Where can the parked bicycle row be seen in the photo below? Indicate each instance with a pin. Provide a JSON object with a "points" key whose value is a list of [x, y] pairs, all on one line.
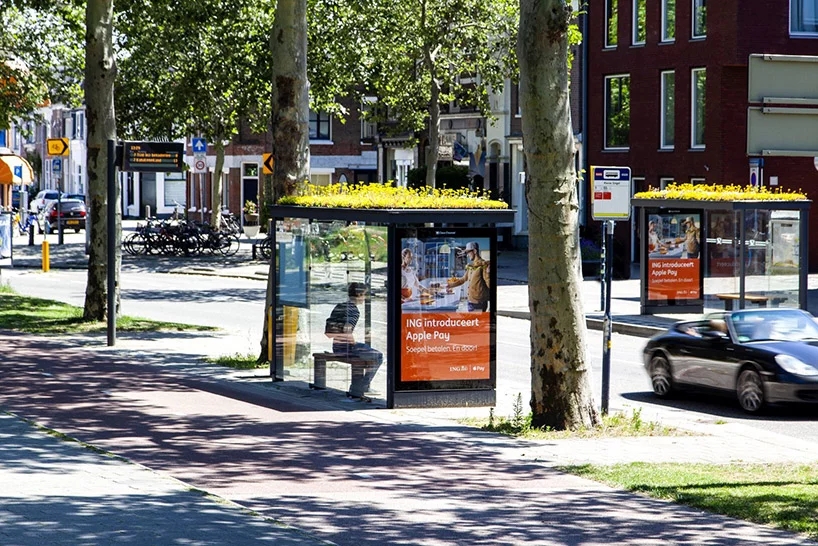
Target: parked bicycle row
{"points": [[181, 237]]}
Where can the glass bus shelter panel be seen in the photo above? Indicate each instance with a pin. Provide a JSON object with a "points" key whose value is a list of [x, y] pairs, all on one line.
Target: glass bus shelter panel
{"points": [[722, 249], [782, 259], [341, 254]]}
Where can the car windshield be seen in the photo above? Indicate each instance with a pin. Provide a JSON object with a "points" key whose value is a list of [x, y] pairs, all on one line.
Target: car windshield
{"points": [[778, 325]]}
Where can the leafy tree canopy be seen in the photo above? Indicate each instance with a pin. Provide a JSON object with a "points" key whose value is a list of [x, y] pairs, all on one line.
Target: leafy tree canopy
{"points": [[41, 57]]}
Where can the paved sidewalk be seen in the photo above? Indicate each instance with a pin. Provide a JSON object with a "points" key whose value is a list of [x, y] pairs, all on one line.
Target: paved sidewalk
{"points": [[367, 477]]}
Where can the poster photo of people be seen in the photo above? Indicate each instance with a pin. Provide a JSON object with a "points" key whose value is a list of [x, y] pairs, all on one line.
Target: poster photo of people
{"points": [[674, 256], [447, 288]]}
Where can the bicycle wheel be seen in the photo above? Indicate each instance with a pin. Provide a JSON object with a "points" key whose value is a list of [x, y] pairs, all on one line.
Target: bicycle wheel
{"points": [[265, 248], [135, 245], [229, 244]]}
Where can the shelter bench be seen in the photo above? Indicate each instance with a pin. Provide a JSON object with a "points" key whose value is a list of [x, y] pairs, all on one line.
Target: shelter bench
{"points": [[759, 300], [319, 367]]}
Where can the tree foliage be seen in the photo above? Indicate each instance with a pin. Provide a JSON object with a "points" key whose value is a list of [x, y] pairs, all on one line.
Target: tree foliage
{"points": [[194, 68], [413, 56], [41, 58]]}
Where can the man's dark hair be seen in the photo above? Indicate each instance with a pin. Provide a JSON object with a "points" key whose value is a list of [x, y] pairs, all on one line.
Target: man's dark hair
{"points": [[356, 289]]}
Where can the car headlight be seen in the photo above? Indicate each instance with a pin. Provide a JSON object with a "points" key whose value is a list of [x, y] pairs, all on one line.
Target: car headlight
{"points": [[793, 365]]}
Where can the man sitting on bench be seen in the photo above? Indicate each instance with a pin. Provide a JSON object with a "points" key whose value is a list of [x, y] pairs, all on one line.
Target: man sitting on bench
{"points": [[339, 327]]}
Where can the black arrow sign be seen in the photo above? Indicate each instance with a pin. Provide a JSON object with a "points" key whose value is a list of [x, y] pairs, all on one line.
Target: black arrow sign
{"points": [[269, 164]]}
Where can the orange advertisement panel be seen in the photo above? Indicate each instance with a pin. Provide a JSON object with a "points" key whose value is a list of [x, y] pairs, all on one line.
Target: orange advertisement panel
{"points": [[674, 242], [673, 279], [446, 321], [445, 346]]}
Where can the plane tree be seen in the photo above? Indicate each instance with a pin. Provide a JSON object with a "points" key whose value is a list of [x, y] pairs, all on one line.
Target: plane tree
{"points": [[197, 68], [561, 393], [414, 57]]}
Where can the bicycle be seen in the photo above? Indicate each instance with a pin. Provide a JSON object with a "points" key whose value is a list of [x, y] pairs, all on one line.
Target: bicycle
{"points": [[30, 222]]}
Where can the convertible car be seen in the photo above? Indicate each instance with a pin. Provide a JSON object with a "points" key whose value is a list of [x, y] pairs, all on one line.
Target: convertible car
{"points": [[764, 356]]}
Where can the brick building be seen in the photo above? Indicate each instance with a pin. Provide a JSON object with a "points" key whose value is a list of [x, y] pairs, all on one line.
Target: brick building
{"points": [[667, 91]]}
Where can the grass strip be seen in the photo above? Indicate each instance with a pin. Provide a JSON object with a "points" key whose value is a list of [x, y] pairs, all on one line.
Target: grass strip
{"points": [[239, 361], [42, 316], [783, 495]]}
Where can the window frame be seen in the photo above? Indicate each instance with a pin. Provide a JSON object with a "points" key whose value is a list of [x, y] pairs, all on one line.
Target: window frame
{"points": [[664, 181], [697, 113], [607, 98], [320, 119], [697, 7], [611, 12], [635, 28], [663, 98], [668, 27], [793, 19]]}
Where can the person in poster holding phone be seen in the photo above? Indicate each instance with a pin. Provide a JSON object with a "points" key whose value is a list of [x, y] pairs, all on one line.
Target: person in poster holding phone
{"points": [[478, 276]]}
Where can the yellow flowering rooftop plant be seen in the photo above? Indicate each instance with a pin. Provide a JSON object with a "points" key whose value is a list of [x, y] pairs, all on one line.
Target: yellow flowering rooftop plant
{"points": [[715, 192], [386, 196]]}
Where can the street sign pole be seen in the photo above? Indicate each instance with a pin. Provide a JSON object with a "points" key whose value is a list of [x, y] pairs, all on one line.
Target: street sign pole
{"points": [[612, 192], [607, 328], [111, 240]]}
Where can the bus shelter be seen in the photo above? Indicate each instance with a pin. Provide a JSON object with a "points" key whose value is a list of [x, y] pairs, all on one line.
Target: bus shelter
{"points": [[420, 286], [697, 255]]}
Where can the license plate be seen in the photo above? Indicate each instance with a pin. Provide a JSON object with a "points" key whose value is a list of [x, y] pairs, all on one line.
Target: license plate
{"points": [[73, 222]]}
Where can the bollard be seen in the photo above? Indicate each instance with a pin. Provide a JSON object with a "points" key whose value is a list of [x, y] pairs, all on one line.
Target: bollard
{"points": [[31, 235], [46, 257], [147, 211]]}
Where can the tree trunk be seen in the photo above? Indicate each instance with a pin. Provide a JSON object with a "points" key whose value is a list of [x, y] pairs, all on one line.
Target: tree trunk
{"points": [[291, 110], [561, 396], [100, 72], [217, 185], [433, 148], [291, 115]]}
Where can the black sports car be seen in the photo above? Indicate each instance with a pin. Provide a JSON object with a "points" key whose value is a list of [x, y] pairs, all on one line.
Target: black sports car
{"points": [[762, 355]]}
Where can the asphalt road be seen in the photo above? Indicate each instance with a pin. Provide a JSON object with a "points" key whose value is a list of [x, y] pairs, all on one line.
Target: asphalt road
{"points": [[236, 305]]}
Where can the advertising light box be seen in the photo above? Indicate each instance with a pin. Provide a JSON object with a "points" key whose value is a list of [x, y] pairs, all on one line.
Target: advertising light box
{"points": [[447, 308]]}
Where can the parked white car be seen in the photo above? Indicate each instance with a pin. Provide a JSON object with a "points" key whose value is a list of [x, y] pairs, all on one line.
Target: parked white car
{"points": [[42, 199]]}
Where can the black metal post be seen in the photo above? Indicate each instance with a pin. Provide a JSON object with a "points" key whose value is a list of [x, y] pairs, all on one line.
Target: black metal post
{"points": [[60, 238], [111, 243], [603, 267], [607, 325]]}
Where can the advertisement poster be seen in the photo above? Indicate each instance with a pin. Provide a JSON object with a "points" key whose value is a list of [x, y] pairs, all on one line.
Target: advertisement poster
{"points": [[447, 288], [674, 257]]}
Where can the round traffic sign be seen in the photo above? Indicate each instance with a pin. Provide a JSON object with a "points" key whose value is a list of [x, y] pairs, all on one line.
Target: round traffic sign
{"points": [[199, 165]]}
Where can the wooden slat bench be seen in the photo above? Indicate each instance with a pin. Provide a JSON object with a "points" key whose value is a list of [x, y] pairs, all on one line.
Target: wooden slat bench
{"points": [[319, 367], [759, 300]]}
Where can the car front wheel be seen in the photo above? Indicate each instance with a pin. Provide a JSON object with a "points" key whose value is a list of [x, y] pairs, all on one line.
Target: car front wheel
{"points": [[750, 391], [660, 377]]}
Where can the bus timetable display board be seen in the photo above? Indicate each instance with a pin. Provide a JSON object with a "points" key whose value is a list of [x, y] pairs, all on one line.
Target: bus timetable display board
{"points": [[154, 157], [447, 309]]}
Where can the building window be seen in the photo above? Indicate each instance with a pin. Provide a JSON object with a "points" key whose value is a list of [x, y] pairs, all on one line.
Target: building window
{"points": [[697, 100], [611, 22], [664, 181], [699, 18], [639, 28], [804, 16], [668, 20], [668, 120], [319, 126], [696, 181], [617, 111], [78, 125]]}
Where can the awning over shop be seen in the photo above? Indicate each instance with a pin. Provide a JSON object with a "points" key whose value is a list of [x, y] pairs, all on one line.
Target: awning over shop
{"points": [[14, 169]]}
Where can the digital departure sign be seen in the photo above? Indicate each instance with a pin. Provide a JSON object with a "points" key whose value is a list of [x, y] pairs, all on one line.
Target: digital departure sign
{"points": [[155, 157]]}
